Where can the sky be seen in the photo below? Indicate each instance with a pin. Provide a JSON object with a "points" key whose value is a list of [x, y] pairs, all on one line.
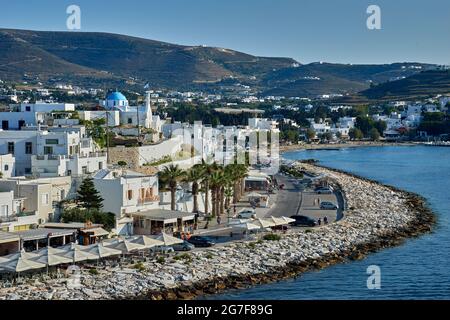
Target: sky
{"points": [[306, 30]]}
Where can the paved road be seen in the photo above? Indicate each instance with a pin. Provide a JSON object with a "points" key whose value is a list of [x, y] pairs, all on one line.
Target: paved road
{"points": [[287, 201]]}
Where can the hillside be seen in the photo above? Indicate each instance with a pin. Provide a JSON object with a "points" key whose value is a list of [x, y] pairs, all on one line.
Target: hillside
{"points": [[319, 78], [73, 56], [424, 84], [112, 60]]}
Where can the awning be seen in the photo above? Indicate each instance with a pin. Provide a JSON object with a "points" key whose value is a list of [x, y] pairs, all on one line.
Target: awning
{"points": [[96, 232], [165, 216], [168, 240], [6, 237]]}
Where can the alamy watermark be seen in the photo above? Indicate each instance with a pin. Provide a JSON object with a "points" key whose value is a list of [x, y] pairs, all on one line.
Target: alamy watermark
{"points": [[73, 273], [73, 21], [374, 279], [374, 20]]}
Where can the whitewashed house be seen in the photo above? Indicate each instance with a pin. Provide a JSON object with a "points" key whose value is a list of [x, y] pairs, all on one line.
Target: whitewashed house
{"points": [[7, 166], [125, 192]]}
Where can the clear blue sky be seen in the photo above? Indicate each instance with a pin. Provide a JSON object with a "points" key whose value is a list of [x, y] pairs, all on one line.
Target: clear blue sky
{"points": [[307, 30]]}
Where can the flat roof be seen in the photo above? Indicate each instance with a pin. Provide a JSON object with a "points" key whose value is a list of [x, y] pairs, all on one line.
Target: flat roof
{"points": [[165, 215], [42, 233], [8, 237], [70, 225]]}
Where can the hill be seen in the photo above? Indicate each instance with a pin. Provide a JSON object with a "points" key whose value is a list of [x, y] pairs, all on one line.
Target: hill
{"points": [[113, 60], [424, 84]]}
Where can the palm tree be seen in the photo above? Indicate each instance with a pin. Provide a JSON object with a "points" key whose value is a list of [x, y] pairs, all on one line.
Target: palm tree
{"points": [[171, 175], [215, 183], [237, 173], [194, 176], [208, 170]]}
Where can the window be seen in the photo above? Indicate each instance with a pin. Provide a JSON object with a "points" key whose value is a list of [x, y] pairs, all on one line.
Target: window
{"points": [[28, 148], [142, 192], [45, 199], [100, 165], [6, 168], [51, 141], [27, 170], [130, 194], [48, 150], [84, 169], [4, 210], [27, 108], [130, 121], [11, 147]]}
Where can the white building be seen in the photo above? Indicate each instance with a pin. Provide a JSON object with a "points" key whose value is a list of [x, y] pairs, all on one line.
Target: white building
{"points": [[7, 166], [126, 192], [62, 151], [130, 115]]}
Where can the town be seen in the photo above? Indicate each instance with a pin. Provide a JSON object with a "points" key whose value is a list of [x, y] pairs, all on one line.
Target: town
{"points": [[81, 181]]}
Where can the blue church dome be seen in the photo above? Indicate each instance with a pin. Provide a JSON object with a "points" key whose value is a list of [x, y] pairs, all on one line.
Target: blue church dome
{"points": [[116, 96]]}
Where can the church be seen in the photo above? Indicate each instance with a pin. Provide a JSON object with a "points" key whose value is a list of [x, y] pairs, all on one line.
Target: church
{"points": [[132, 115]]}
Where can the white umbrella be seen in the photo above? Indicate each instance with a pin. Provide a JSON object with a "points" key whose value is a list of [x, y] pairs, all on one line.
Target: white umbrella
{"points": [[288, 220], [247, 226], [102, 251], [78, 253], [20, 264], [278, 221], [264, 223], [52, 256], [124, 246], [21, 254], [168, 240], [147, 242]]}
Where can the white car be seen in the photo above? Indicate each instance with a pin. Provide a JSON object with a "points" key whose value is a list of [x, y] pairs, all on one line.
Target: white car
{"points": [[328, 206], [246, 214]]}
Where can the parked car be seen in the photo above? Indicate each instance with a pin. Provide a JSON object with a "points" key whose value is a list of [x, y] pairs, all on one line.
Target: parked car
{"points": [[246, 214], [328, 206], [185, 246], [200, 241], [303, 221], [323, 190]]}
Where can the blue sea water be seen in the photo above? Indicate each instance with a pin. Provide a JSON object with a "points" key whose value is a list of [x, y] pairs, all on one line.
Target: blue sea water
{"points": [[418, 269]]}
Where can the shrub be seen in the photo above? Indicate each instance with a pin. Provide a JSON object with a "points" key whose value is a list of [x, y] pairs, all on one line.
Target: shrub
{"points": [[139, 266], [93, 271], [161, 260], [272, 237]]}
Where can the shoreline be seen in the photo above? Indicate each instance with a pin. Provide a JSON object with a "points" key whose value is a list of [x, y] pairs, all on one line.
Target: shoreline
{"points": [[377, 217], [423, 222], [360, 144]]}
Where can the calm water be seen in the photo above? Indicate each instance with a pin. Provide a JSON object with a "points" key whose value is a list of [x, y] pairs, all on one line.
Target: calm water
{"points": [[419, 269]]}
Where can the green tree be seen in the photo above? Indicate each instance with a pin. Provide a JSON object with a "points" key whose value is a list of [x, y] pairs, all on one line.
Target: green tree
{"points": [[355, 134], [310, 134], [107, 219], [170, 176], [88, 197], [374, 134], [194, 176]]}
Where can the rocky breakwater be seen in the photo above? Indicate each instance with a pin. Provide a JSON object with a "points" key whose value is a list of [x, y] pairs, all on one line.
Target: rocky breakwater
{"points": [[377, 216]]}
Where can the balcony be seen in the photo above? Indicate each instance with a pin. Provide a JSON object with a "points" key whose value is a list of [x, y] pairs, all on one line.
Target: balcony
{"points": [[148, 200], [15, 217]]}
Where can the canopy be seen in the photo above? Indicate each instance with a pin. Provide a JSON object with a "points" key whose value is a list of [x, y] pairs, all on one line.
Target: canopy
{"points": [[168, 240], [20, 264], [247, 226], [278, 221], [78, 253], [264, 223], [288, 220], [147, 242], [254, 195], [21, 254], [102, 251], [124, 246], [52, 256]]}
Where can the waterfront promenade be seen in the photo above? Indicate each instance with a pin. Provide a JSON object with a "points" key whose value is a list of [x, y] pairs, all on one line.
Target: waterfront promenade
{"points": [[378, 217]]}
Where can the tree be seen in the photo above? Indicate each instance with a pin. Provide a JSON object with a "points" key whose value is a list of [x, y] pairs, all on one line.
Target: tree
{"points": [[310, 134], [355, 134], [208, 170], [194, 176], [108, 220], [171, 175], [374, 134], [88, 197]]}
